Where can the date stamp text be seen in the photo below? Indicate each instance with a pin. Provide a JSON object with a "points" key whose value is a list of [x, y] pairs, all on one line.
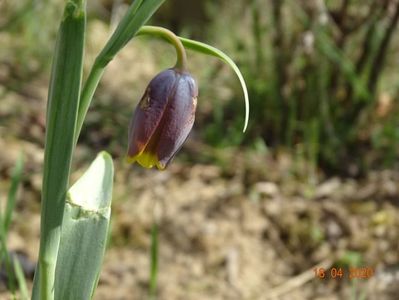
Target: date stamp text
{"points": [[344, 273]]}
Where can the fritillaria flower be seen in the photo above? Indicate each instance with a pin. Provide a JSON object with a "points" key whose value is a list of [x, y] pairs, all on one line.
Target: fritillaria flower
{"points": [[163, 119]]}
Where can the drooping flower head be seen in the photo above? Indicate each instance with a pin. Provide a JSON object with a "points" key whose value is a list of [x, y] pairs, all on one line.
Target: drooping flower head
{"points": [[163, 119]]}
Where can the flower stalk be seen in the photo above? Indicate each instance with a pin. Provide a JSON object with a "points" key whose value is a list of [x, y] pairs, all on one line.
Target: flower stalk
{"points": [[171, 38]]}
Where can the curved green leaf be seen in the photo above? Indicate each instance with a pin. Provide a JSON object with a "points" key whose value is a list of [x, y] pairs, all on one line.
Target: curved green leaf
{"points": [[212, 51]]}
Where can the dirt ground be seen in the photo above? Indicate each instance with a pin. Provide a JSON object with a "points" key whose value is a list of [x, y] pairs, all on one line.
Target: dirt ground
{"points": [[250, 227]]}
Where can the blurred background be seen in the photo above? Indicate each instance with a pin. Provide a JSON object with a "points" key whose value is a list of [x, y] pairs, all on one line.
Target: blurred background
{"points": [[312, 183]]}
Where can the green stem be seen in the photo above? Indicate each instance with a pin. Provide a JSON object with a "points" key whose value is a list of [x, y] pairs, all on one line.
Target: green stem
{"points": [[170, 37]]}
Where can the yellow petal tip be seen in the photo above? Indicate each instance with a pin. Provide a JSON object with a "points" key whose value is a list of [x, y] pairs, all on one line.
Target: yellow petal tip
{"points": [[146, 160]]}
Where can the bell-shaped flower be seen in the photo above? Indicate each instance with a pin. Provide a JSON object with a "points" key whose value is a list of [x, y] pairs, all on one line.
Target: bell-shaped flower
{"points": [[163, 119]]}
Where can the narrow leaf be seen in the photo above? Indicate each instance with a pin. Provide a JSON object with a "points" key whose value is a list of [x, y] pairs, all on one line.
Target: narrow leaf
{"points": [[23, 289], [62, 108], [137, 14], [5, 221], [135, 5], [15, 181]]}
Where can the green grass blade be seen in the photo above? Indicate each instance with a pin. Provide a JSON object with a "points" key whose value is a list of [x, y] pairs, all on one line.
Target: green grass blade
{"points": [[15, 181], [63, 102], [84, 231], [6, 259], [212, 51], [326, 46], [5, 221], [23, 289]]}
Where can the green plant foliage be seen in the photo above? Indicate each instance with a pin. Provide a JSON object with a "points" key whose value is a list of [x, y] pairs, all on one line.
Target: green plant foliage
{"points": [[5, 221], [62, 109], [23, 289], [314, 78], [84, 231]]}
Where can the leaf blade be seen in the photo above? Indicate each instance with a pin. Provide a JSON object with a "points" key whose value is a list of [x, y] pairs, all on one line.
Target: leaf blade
{"points": [[12, 193], [23, 289], [84, 231], [62, 108]]}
